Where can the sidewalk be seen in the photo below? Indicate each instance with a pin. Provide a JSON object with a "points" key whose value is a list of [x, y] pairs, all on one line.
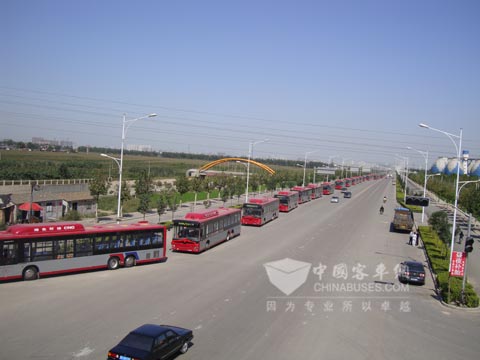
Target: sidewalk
{"points": [[182, 210], [152, 215]]}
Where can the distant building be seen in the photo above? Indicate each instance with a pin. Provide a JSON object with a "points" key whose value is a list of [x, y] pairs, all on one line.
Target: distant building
{"points": [[145, 148], [449, 166], [55, 197], [62, 143]]}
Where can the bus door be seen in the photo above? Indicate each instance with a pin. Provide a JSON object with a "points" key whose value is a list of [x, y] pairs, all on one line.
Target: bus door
{"points": [[8, 252]]}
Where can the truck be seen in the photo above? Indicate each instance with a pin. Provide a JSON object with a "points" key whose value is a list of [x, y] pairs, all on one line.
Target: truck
{"points": [[403, 219]]}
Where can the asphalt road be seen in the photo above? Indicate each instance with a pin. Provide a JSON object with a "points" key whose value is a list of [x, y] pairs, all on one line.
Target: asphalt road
{"points": [[226, 297]]}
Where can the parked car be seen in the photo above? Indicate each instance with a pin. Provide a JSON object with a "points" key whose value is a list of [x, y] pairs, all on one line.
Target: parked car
{"points": [[412, 272], [347, 194], [334, 199], [150, 341]]}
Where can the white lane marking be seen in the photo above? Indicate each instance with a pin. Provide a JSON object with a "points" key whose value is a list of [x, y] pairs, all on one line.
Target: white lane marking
{"points": [[84, 352]]}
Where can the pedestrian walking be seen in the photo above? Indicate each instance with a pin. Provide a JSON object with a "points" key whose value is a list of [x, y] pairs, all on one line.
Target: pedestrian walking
{"points": [[414, 239], [460, 237], [410, 237]]}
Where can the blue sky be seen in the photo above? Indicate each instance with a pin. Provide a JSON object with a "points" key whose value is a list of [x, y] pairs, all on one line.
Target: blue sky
{"points": [[350, 79]]}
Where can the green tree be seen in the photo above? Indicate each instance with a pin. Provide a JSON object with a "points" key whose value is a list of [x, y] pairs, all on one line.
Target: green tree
{"points": [[182, 185], [254, 183], [208, 185], [224, 195], [271, 182], [162, 204], [125, 195], [144, 184], [98, 186], [197, 185], [439, 222], [220, 182], [172, 201], [470, 199], [144, 205], [63, 171], [238, 187]]}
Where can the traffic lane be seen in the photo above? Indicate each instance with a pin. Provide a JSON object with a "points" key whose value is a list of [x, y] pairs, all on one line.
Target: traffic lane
{"points": [[201, 292], [107, 293], [305, 334], [69, 309]]}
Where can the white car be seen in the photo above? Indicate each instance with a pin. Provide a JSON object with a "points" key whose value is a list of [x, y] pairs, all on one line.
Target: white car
{"points": [[334, 199]]}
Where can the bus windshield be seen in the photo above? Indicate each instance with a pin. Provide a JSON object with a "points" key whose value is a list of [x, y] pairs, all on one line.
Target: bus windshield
{"points": [[252, 210], [188, 230]]}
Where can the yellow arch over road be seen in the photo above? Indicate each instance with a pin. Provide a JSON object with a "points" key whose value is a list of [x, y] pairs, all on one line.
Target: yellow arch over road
{"points": [[253, 162]]}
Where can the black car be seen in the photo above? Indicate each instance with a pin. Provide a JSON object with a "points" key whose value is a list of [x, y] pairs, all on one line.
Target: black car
{"points": [[412, 272], [347, 194], [150, 342]]}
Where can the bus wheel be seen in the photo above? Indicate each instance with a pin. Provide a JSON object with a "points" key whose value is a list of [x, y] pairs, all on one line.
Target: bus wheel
{"points": [[113, 263], [30, 273], [130, 261]]}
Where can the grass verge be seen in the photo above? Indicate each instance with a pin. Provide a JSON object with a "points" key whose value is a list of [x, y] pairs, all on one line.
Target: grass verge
{"points": [[438, 256]]}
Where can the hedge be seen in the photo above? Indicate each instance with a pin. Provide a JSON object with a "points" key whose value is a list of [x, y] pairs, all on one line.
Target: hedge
{"points": [[439, 255]]}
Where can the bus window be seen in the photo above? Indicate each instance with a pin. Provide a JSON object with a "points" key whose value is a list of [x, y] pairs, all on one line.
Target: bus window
{"points": [[130, 241], [83, 247], [102, 244], [43, 250], [59, 246], [63, 249]]}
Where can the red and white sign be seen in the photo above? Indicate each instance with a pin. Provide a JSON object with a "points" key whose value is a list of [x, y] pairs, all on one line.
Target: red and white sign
{"points": [[457, 267]]}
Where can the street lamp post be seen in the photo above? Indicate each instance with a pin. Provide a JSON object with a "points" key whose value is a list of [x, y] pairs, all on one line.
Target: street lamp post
{"points": [[429, 176], [33, 187], [458, 149], [425, 156], [329, 161], [343, 162], [305, 165], [118, 162], [125, 125], [250, 151]]}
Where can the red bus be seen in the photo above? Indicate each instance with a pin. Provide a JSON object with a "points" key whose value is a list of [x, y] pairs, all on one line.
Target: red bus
{"points": [[327, 188], [28, 251], [316, 190], [304, 194], [288, 200], [339, 184], [198, 231], [259, 211]]}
